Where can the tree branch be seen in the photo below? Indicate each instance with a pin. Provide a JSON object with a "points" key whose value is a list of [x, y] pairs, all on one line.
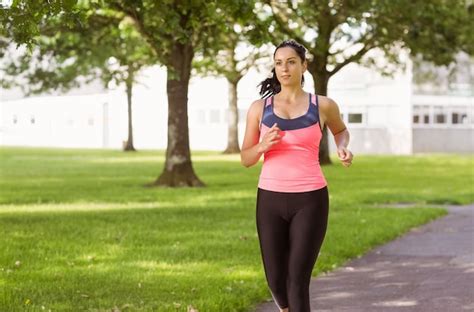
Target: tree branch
{"points": [[360, 40], [301, 16], [284, 24], [351, 58], [138, 23]]}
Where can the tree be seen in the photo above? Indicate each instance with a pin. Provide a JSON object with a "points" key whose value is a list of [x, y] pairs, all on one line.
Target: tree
{"points": [[131, 54], [176, 30], [340, 32], [233, 67], [62, 58]]}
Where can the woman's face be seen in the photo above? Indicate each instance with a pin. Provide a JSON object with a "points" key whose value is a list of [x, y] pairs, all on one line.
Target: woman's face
{"points": [[288, 66]]}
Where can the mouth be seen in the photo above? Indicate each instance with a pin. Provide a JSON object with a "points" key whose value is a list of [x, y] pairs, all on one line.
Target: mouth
{"points": [[285, 76]]}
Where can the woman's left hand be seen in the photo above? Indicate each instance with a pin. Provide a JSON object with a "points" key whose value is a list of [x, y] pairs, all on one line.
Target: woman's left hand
{"points": [[345, 156]]}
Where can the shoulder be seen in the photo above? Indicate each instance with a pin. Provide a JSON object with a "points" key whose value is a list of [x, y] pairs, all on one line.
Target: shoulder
{"points": [[326, 104], [256, 108], [328, 108], [257, 104]]}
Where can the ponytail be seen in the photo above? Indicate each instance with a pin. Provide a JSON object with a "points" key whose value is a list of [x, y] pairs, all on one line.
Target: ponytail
{"points": [[270, 86]]}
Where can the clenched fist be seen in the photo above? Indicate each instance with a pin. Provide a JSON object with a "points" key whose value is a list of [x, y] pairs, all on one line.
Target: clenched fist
{"points": [[270, 138], [345, 156]]}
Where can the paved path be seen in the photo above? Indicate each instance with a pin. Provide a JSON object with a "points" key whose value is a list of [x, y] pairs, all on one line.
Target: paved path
{"points": [[429, 269]]}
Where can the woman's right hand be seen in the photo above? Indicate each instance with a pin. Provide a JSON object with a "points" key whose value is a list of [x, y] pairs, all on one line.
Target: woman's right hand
{"points": [[270, 138]]}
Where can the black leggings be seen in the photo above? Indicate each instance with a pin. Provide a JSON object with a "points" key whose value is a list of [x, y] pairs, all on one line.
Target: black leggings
{"points": [[291, 229]]}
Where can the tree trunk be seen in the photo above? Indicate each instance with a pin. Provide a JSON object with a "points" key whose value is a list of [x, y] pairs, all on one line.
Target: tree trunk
{"points": [[321, 86], [178, 169], [233, 130], [129, 83]]}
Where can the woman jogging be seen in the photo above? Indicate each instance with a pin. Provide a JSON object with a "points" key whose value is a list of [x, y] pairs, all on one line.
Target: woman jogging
{"points": [[292, 194]]}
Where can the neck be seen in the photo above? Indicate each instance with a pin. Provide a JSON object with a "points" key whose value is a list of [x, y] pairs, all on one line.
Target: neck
{"points": [[290, 93]]}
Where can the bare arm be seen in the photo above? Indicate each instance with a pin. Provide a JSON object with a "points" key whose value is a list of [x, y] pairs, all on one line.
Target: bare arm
{"points": [[338, 129], [252, 150], [342, 138]]}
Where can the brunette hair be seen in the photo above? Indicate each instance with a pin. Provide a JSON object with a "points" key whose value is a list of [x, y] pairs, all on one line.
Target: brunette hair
{"points": [[271, 86]]}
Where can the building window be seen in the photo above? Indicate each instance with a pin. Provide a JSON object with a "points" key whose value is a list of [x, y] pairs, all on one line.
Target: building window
{"points": [[355, 118], [440, 118], [459, 118], [421, 114], [439, 115]]}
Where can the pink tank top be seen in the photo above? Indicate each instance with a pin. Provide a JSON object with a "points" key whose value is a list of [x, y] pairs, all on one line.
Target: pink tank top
{"points": [[292, 165]]}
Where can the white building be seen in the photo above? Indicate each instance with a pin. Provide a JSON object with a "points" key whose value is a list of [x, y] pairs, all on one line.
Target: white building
{"points": [[383, 115]]}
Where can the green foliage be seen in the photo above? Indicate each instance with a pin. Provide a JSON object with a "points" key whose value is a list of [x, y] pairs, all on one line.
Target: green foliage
{"points": [[105, 44], [23, 20], [439, 29], [337, 33], [134, 33], [195, 22], [226, 62], [436, 30]]}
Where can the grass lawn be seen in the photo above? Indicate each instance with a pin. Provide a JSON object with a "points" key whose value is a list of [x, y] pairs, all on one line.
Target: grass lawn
{"points": [[81, 232]]}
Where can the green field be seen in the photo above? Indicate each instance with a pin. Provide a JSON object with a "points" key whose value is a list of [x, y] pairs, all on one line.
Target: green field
{"points": [[80, 231]]}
